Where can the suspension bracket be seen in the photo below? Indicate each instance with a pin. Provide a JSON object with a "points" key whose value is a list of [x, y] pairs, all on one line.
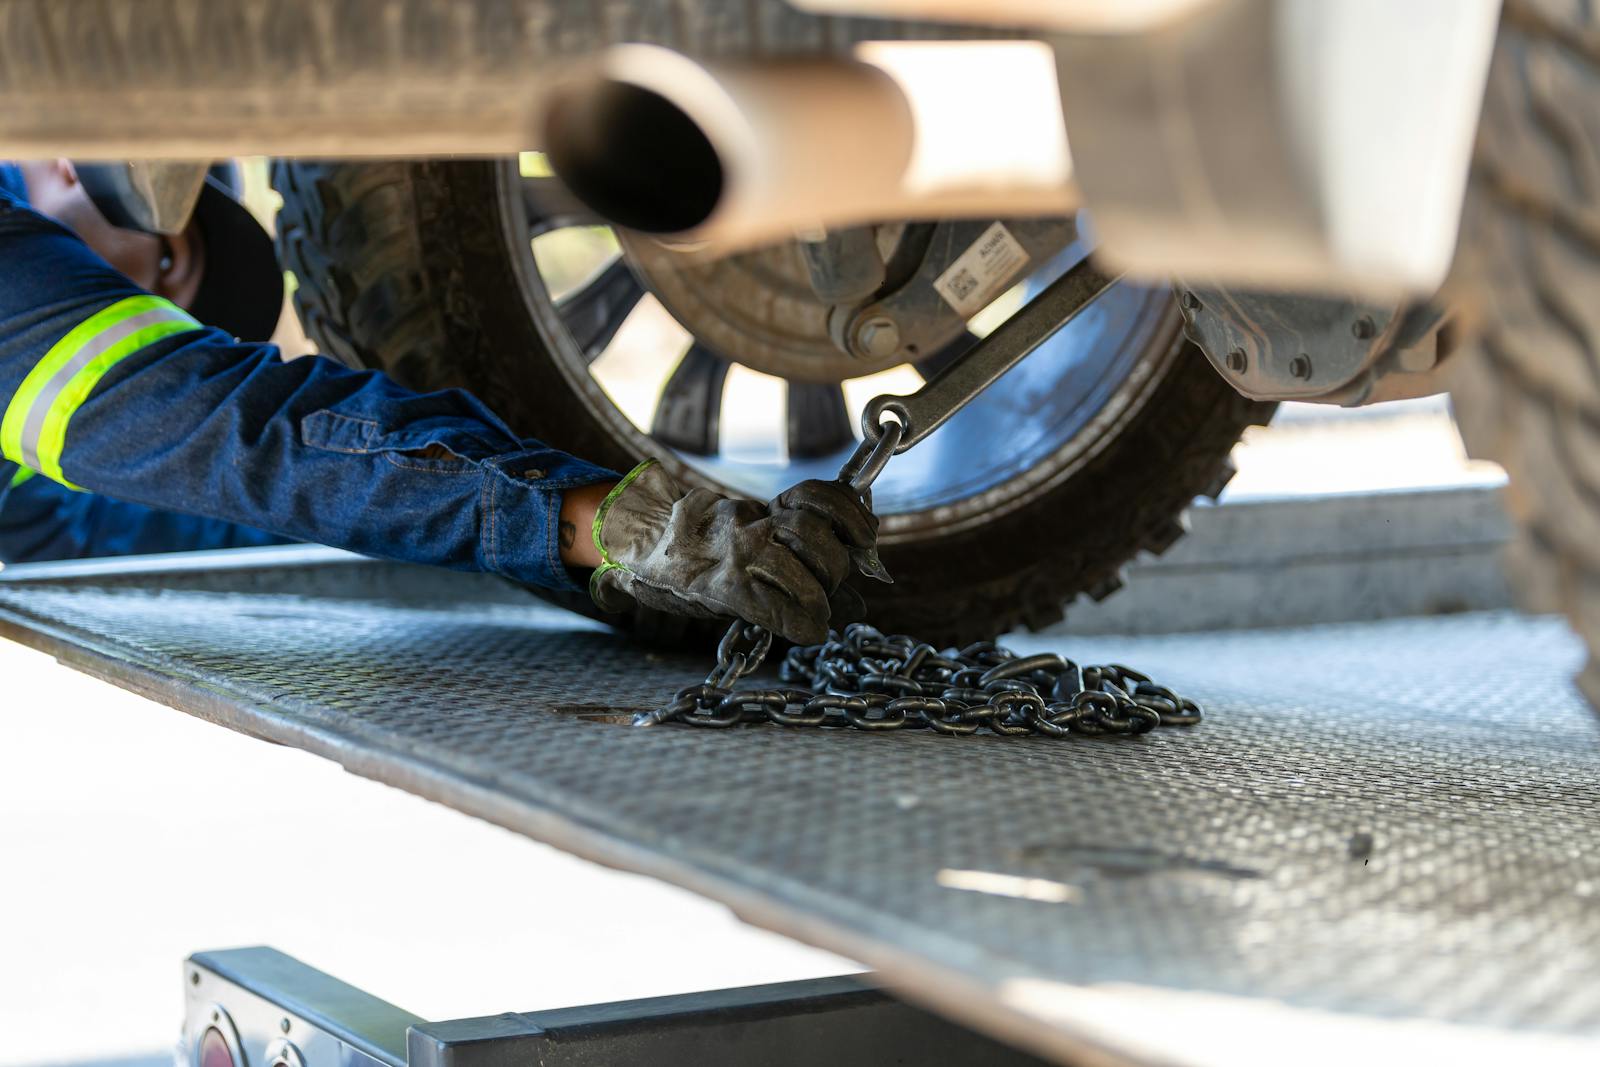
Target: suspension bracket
{"points": [[959, 383]]}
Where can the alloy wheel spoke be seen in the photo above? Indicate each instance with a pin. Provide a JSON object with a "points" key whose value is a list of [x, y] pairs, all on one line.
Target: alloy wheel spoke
{"points": [[818, 421], [596, 312], [689, 415], [549, 206]]}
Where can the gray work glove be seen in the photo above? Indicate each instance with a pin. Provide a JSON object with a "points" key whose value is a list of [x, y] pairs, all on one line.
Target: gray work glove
{"points": [[693, 552]]}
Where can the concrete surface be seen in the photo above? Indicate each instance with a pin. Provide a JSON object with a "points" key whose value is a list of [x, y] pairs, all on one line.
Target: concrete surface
{"points": [[132, 834], [1298, 560]]}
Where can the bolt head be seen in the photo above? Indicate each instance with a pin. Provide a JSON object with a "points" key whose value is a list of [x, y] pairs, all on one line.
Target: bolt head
{"points": [[1189, 301], [1363, 328], [878, 337], [284, 1025], [1238, 361], [1300, 367]]}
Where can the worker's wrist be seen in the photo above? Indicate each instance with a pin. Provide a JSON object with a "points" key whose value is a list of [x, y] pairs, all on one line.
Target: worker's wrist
{"points": [[579, 507], [521, 535]]}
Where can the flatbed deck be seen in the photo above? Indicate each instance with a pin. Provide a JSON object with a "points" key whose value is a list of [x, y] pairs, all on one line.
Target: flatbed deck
{"points": [[1383, 836]]}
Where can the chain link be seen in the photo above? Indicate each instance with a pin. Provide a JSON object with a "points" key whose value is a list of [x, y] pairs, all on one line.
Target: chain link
{"points": [[867, 680]]}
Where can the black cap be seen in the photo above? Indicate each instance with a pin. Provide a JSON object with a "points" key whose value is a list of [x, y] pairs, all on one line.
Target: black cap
{"points": [[241, 290]]}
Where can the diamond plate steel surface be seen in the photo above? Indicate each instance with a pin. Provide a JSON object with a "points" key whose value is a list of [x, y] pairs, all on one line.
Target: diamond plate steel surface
{"points": [[1377, 822]]}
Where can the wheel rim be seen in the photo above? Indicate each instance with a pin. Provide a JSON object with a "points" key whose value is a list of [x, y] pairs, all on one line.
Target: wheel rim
{"points": [[715, 422]]}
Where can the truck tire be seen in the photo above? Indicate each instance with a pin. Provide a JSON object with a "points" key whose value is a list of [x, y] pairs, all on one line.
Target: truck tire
{"points": [[405, 266], [1527, 393]]}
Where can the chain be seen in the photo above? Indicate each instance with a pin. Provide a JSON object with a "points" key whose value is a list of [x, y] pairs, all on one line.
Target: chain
{"points": [[873, 681]]}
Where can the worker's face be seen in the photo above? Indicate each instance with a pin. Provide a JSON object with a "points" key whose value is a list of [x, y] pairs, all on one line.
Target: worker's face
{"points": [[167, 266]]}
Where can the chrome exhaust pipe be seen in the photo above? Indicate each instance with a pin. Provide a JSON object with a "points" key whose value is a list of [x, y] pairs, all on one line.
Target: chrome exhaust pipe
{"points": [[729, 155]]}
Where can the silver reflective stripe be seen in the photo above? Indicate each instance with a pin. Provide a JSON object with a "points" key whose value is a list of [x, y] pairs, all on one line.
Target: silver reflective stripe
{"points": [[33, 426]]}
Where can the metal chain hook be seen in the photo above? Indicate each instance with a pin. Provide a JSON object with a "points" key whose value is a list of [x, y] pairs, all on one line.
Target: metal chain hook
{"points": [[858, 472], [867, 680], [873, 682], [872, 455]]}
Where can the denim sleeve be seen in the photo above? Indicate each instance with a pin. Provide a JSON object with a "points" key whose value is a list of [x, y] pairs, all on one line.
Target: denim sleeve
{"points": [[201, 424], [13, 190], [41, 520]]}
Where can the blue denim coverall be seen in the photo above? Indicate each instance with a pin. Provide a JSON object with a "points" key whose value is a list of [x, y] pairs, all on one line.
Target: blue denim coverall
{"points": [[185, 438]]}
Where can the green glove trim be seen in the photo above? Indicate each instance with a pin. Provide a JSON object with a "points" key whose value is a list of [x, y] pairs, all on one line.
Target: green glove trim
{"points": [[606, 562], [594, 577]]}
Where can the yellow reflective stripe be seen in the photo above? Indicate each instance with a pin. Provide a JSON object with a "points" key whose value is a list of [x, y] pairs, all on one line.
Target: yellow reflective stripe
{"points": [[33, 431], [53, 433], [55, 360], [22, 475]]}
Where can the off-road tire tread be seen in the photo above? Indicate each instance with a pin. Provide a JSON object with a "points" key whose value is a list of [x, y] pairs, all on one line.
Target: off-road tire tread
{"points": [[1527, 393]]}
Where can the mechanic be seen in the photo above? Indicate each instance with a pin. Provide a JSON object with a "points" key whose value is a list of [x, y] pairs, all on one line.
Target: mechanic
{"points": [[145, 412]]}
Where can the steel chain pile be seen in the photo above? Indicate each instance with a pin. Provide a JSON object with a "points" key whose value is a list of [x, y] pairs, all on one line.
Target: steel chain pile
{"points": [[868, 680]]}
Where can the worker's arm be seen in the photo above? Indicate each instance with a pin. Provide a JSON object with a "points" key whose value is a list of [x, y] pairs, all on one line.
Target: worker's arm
{"points": [[41, 520], [109, 389]]}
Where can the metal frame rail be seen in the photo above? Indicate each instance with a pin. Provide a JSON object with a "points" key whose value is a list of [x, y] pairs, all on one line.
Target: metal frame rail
{"points": [[274, 1011]]}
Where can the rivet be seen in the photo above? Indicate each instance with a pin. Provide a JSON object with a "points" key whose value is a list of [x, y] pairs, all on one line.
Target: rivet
{"points": [[1190, 301], [1300, 367], [284, 1025], [1238, 361], [1363, 328]]}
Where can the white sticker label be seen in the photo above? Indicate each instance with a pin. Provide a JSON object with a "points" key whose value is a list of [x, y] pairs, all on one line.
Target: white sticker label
{"points": [[982, 272]]}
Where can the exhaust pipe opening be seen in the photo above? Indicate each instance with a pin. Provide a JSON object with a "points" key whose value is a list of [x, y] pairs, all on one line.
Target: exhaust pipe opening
{"points": [[717, 156], [635, 157]]}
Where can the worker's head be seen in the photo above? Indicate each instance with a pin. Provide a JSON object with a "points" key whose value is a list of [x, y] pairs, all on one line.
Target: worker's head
{"points": [[220, 268], [167, 266]]}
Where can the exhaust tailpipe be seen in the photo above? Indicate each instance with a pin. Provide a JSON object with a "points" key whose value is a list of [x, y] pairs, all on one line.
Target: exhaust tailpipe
{"points": [[730, 155]]}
